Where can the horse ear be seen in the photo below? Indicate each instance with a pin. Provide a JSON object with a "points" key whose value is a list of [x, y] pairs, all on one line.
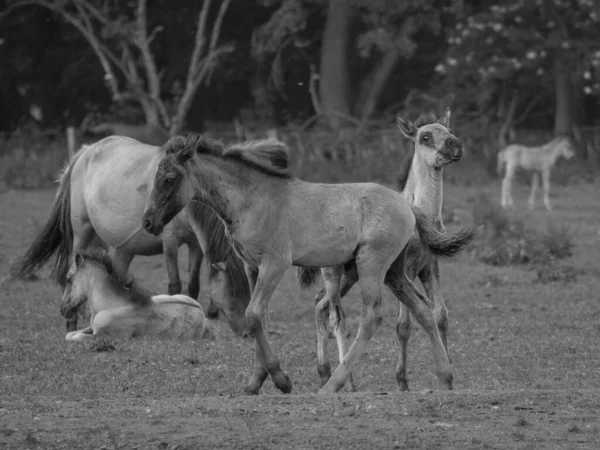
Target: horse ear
{"points": [[78, 258], [406, 127], [185, 154], [445, 121], [220, 266]]}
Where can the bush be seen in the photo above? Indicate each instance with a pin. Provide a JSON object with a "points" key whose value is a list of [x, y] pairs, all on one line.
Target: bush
{"points": [[508, 241], [30, 161]]}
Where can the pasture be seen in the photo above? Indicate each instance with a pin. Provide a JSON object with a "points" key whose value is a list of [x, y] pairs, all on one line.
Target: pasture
{"points": [[526, 357]]}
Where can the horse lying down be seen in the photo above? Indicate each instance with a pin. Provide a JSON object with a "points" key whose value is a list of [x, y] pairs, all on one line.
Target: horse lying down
{"points": [[121, 309]]}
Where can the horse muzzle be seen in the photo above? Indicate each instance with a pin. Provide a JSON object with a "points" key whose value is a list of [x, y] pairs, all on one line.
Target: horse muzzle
{"points": [[151, 224]]}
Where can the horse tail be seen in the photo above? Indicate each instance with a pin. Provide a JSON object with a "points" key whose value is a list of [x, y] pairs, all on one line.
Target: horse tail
{"points": [[57, 235], [501, 160], [440, 243], [307, 276]]}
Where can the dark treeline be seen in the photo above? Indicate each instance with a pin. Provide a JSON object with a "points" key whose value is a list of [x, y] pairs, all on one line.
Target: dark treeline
{"points": [[518, 63]]}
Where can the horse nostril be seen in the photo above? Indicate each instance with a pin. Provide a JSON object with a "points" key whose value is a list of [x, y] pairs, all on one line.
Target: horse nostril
{"points": [[147, 224]]}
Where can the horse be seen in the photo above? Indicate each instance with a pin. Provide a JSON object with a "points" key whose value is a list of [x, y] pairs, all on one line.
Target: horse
{"points": [[533, 159], [421, 184], [121, 309], [274, 220], [101, 196]]}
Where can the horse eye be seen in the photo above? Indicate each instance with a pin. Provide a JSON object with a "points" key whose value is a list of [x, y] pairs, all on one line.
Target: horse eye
{"points": [[169, 180]]}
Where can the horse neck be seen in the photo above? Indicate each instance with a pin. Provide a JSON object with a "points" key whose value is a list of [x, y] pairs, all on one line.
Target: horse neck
{"points": [[220, 185], [425, 188], [556, 151]]}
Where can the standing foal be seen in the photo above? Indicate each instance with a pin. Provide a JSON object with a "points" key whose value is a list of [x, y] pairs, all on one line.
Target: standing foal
{"points": [[533, 159], [421, 185]]}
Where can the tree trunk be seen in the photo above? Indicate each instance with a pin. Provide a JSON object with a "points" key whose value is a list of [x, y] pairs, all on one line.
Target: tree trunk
{"points": [[334, 80], [563, 114], [376, 79], [374, 82]]}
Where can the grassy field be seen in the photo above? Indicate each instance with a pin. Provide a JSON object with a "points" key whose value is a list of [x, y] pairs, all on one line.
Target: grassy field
{"points": [[526, 357]]}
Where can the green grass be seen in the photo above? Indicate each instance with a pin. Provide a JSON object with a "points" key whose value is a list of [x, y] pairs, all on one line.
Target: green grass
{"points": [[507, 334]]}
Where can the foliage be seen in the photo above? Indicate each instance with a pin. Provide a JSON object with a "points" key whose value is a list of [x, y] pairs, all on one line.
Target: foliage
{"points": [[509, 241], [518, 42]]}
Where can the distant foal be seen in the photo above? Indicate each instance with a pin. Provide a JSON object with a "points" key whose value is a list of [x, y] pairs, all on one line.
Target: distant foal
{"points": [[275, 220], [533, 159]]}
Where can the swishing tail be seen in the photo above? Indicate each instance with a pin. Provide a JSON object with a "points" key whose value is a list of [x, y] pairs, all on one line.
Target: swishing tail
{"points": [[308, 276], [501, 161], [440, 243], [57, 235]]}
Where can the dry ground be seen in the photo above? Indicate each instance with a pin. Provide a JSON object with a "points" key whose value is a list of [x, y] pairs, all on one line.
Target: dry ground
{"points": [[526, 358]]}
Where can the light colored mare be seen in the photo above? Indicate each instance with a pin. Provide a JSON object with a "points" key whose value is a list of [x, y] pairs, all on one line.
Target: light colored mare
{"points": [[101, 197], [533, 159], [422, 186], [275, 220], [120, 309]]}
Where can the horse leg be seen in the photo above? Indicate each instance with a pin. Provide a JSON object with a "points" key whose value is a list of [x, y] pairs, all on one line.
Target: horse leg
{"points": [[349, 279], [507, 200], [419, 306], [332, 277], [257, 317], [371, 267], [195, 257], [121, 260], [546, 186], [535, 180], [403, 330], [171, 249]]}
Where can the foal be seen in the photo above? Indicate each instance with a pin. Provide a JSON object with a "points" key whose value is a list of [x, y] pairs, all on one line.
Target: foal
{"points": [[533, 159], [275, 220], [121, 309], [421, 185]]}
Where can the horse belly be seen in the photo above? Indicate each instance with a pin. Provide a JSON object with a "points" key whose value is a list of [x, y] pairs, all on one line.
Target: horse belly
{"points": [[330, 252]]}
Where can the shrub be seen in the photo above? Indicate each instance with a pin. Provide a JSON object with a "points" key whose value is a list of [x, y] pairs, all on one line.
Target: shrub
{"points": [[508, 241]]}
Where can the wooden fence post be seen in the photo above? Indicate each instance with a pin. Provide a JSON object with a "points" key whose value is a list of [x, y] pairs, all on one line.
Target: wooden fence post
{"points": [[71, 141]]}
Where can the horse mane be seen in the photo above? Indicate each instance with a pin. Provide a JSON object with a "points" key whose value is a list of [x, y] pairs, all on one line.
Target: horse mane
{"points": [[139, 295], [218, 249], [267, 156]]}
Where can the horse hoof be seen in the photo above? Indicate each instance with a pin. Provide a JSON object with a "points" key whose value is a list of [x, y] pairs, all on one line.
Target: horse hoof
{"points": [[445, 383], [251, 390], [402, 384], [282, 382]]}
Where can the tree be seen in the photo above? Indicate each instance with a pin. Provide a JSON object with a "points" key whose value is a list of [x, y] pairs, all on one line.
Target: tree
{"points": [[509, 55], [121, 39], [368, 37]]}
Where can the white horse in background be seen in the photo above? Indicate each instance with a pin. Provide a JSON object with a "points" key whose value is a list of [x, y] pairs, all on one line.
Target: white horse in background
{"points": [[534, 159], [120, 309]]}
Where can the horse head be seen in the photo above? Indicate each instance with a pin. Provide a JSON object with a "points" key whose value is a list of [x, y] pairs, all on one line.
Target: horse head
{"points": [[172, 189], [434, 143]]}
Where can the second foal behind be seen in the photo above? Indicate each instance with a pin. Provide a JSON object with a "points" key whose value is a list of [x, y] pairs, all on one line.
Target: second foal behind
{"points": [[539, 159]]}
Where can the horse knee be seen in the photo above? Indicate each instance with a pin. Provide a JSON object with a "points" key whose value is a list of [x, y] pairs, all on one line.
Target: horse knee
{"points": [[253, 321]]}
